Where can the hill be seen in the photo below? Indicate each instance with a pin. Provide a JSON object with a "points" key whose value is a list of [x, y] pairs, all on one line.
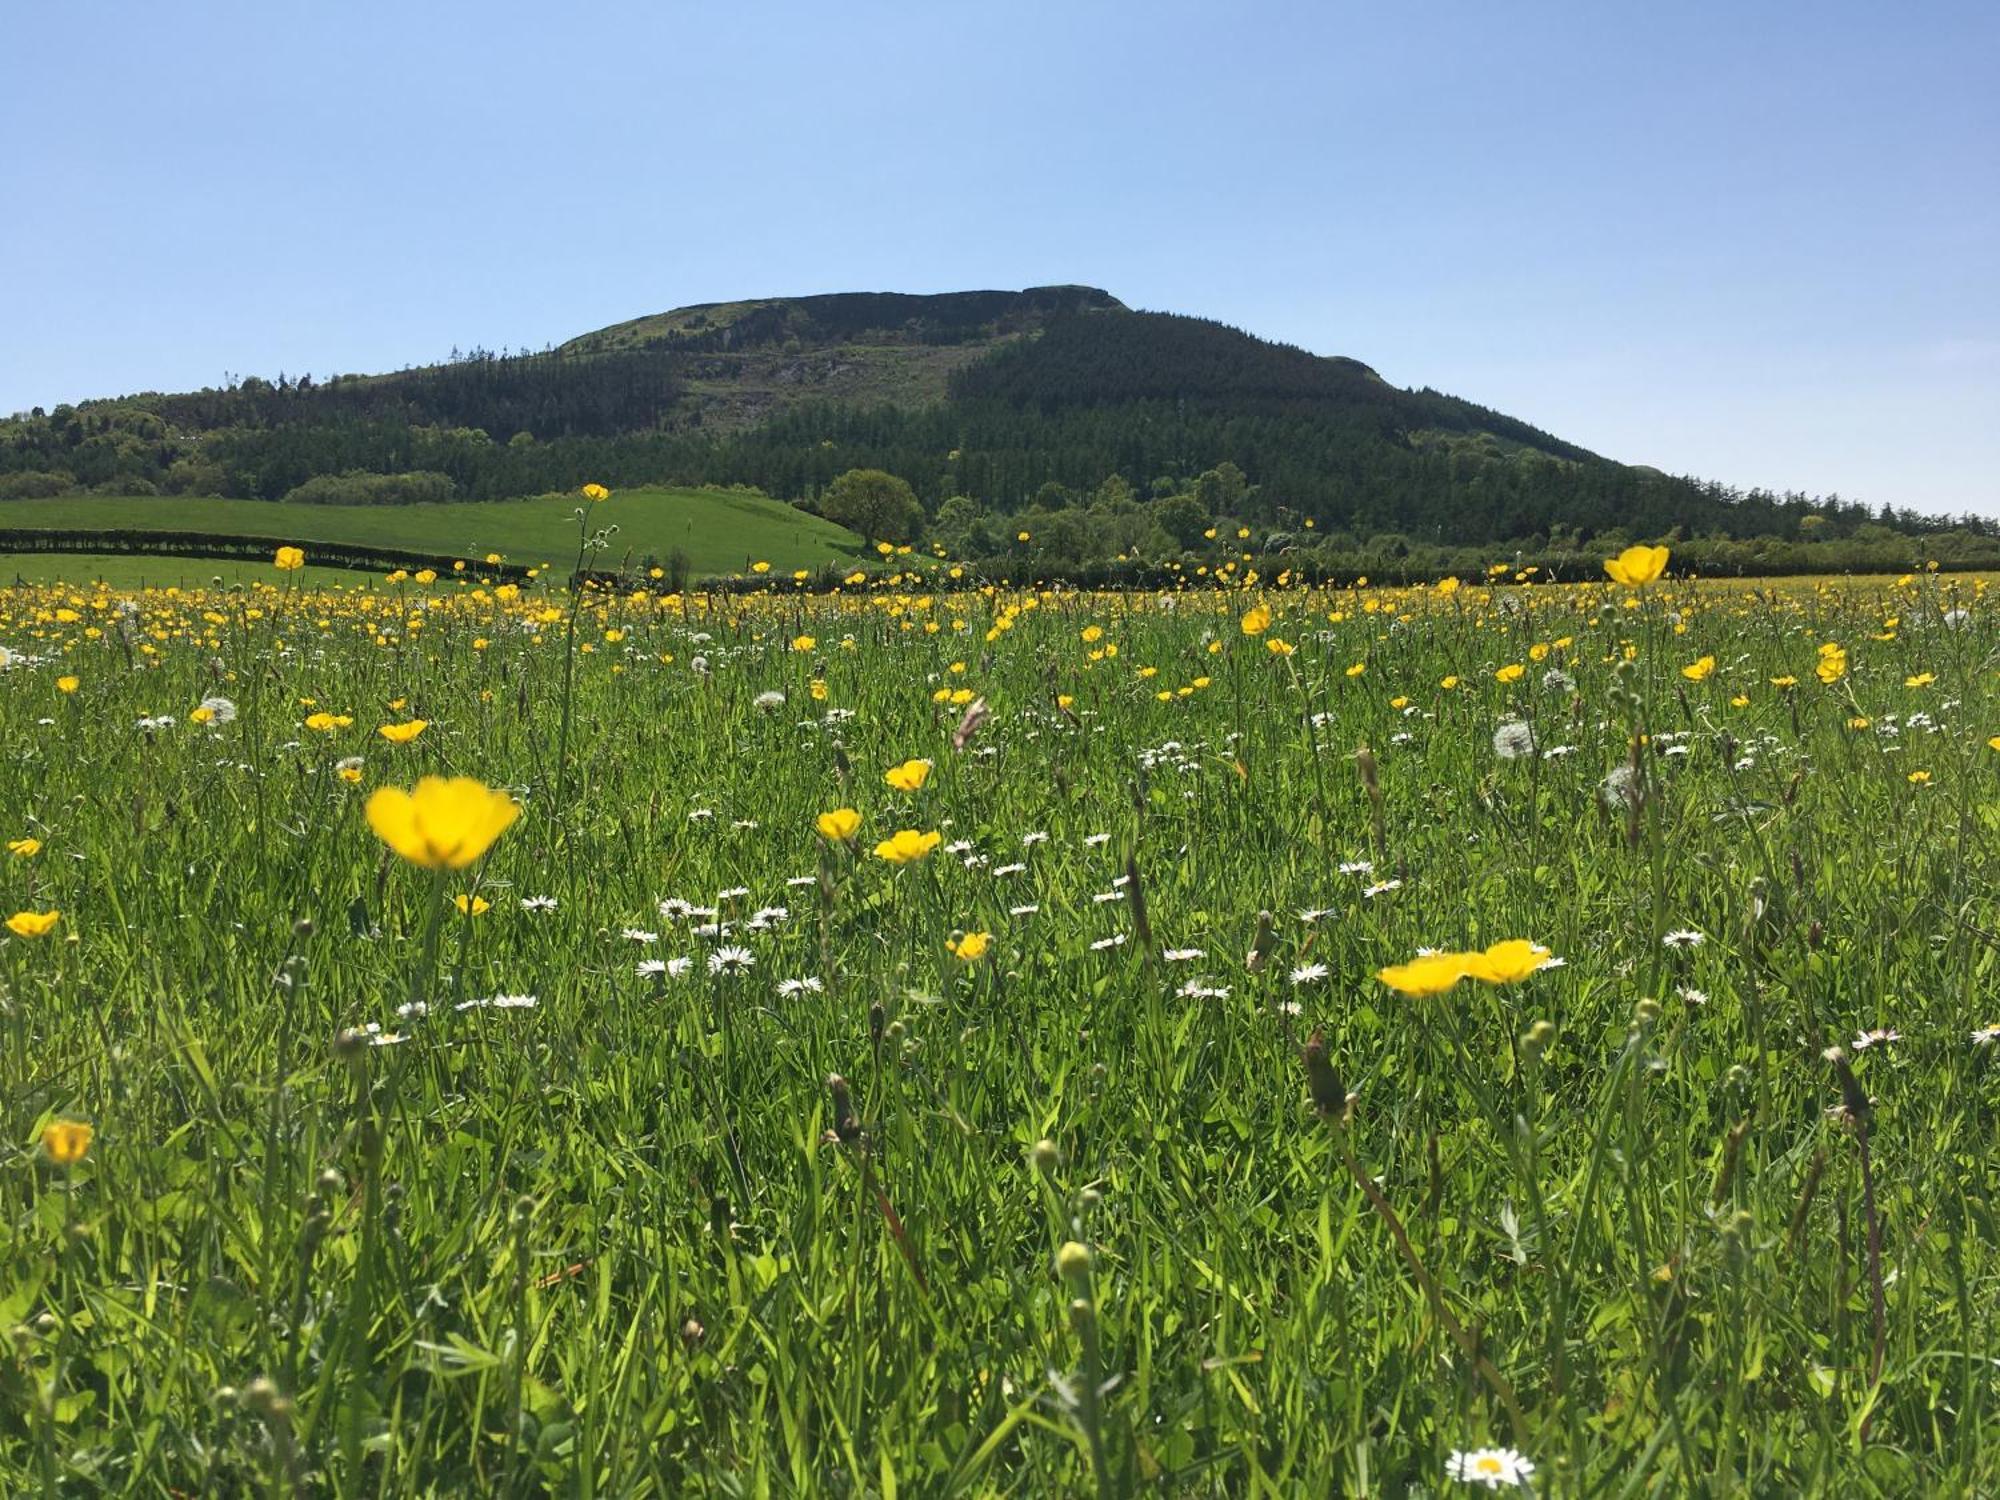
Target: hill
{"points": [[1138, 431]]}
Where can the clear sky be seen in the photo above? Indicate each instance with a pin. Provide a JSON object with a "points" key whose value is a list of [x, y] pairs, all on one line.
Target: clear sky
{"points": [[1752, 241]]}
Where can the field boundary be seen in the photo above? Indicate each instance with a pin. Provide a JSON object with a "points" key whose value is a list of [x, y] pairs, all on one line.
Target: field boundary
{"points": [[228, 547]]}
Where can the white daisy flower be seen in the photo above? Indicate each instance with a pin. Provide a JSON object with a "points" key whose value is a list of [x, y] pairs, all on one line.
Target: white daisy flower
{"points": [[538, 903], [1684, 937], [791, 989], [640, 935], [1183, 955], [1309, 973], [1881, 1036], [1493, 1467], [1117, 939], [731, 960], [499, 1002]]}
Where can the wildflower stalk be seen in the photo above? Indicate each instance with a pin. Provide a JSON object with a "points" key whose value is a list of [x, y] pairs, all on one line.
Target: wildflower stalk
{"points": [[1859, 1114], [569, 660], [1073, 1263], [1337, 1109]]}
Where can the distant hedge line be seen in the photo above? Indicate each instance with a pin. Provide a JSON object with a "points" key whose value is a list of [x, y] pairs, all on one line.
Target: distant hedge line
{"points": [[221, 545], [1154, 578]]}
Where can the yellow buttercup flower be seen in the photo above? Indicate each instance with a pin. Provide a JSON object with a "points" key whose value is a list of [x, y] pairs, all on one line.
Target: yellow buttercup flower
{"points": [[760, 567], [441, 824], [971, 947], [402, 734], [472, 906], [840, 825], [910, 776], [595, 492], [289, 559], [33, 924], [26, 848], [1832, 664], [1512, 672], [803, 642], [1279, 647], [907, 845], [66, 684], [1698, 671], [67, 1142], [1636, 567], [1506, 963], [326, 723], [1427, 974], [1256, 620]]}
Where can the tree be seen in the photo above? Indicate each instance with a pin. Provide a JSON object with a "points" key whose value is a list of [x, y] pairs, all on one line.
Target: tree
{"points": [[1221, 489], [1182, 518], [959, 527], [1115, 491], [875, 503]]}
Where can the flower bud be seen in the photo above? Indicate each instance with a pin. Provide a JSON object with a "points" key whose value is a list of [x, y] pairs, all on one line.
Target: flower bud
{"points": [[1073, 1260]]}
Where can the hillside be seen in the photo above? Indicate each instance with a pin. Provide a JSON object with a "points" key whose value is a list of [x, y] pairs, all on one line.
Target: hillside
{"points": [[1060, 399], [717, 532]]}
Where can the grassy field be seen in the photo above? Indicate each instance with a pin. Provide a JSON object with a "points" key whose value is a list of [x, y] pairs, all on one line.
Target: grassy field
{"points": [[719, 532], [127, 572], [1332, 1042]]}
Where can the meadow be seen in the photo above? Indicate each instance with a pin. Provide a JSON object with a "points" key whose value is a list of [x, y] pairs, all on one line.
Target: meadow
{"points": [[719, 531], [928, 1040]]}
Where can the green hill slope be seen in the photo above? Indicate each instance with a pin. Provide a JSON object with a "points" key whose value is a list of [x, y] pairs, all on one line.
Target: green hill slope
{"points": [[1051, 397], [718, 532]]}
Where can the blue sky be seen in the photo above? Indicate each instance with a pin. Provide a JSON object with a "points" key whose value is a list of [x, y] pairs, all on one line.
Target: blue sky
{"points": [[1754, 242]]}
